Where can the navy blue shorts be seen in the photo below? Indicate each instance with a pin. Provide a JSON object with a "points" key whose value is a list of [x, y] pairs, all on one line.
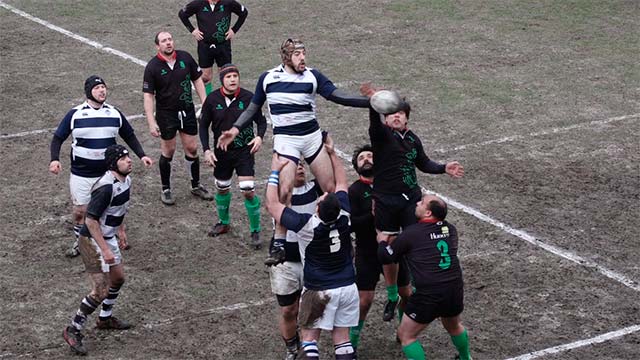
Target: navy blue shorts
{"points": [[425, 305], [209, 54], [239, 160]]}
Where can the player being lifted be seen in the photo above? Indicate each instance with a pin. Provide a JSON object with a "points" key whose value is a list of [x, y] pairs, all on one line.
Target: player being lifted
{"points": [[290, 91], [397, 152]]}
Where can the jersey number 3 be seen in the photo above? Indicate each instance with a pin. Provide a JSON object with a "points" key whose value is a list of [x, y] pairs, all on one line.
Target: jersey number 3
{"points": [[445, 262], [334, 235]]}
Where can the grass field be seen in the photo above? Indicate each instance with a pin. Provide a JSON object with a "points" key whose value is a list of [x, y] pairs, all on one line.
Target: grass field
{"points": [[538, 100]]}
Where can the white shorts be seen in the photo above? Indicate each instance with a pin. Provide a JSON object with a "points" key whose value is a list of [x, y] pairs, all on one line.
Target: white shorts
{"points": [[92, 255], [80, 189], [296, 146], [286, 278], [343, 310]]}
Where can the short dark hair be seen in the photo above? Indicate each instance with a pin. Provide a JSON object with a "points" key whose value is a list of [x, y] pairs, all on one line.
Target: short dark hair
{"points": [[156, 39], [329, 208], [438, 209], [356, 153], [406, 107]]}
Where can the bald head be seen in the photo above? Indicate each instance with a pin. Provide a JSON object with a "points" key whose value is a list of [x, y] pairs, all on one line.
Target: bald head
{"points": [[431, 207]]}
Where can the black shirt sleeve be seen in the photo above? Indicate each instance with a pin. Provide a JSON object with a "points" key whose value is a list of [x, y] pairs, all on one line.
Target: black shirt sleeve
{"points": [[127, 133], [242, 13], [186, 12], [56, 144], [100, 200], [426, 165], [205, 124], [340, 97]]}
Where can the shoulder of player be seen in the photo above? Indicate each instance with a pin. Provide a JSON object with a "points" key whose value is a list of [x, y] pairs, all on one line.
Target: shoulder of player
{"points": [[244, 93], [183, 55]]}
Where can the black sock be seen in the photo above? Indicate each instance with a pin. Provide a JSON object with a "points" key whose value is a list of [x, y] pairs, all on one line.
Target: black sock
{"points": [[292, 344], [193, 165], [165, 172]]}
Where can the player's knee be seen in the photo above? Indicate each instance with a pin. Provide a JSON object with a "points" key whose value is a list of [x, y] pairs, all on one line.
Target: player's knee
{"points": [[117, 282], [290, 313], [78, 214], [223, 186], [206, 76], [100, 293]]}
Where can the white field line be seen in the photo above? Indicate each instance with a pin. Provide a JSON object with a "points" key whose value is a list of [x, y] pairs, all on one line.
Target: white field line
{"points": [[70, 34], [35, 132], [529, 238], [216, 310], [595, 340], [556, 130], [518, 233]]}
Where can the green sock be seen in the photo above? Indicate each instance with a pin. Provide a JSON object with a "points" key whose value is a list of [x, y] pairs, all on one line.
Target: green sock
{"points": [[253, 210], [392, 292], [414, 351], [208, 88], [222, 204], [462, 344], [400, 313], [354, 333]]}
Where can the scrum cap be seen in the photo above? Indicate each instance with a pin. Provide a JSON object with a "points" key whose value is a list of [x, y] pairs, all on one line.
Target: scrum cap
{"points": [[91, 82], [288, 47], [113, 154]]}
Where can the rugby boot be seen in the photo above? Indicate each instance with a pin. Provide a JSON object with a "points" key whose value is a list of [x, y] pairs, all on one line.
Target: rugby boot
{"points": [[74, 250], [167, 198], [112, 323], [389, 310], [202, 193], [276, 256], [73, 337], [256, 243], [219, 229], [291, 355]]}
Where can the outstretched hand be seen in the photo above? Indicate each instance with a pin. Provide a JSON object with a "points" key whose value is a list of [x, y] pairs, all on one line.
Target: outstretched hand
{"points": [[210, 158], [454, 169], [368, 89], [227, 137]]}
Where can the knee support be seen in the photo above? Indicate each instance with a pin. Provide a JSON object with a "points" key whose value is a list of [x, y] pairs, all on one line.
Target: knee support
{"points": [[223, 185], [247, 186]]}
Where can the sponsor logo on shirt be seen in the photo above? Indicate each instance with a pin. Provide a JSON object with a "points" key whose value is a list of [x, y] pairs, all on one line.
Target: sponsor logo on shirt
{"points": [[438, 236], [218, 107], [163, 72]]}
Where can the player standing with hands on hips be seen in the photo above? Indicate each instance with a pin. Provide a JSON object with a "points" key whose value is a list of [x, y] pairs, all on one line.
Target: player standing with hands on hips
{"points": [[213, 33]]}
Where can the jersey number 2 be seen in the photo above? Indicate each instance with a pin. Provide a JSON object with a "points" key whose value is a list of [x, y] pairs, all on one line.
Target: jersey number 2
{"points": [[334, 235], [445, 262]]}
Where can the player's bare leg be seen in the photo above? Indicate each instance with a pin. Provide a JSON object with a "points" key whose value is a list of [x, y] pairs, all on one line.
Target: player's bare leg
{"points": [[322, 169], [77, 212]]}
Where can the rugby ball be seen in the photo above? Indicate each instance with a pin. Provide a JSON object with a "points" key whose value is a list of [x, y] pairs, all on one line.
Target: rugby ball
{"points": [[386, 101]]}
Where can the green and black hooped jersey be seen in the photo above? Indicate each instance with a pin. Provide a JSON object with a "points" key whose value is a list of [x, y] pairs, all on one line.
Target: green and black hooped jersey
{"points": [[214, 20], [171, 86], [219, 112]]}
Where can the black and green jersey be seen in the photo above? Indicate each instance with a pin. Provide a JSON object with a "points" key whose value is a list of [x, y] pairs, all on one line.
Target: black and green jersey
{"points": [[220, 111], [397, 155], [214, 20], [171, 85]]}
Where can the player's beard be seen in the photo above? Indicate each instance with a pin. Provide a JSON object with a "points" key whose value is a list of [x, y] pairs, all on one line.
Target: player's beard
{"points": [[366, 170]]}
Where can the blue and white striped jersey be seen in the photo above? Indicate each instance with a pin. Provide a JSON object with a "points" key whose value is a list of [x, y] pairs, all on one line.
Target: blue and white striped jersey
{"points": [[303, 201], [92, 130], [291, 98], [109, 203]]}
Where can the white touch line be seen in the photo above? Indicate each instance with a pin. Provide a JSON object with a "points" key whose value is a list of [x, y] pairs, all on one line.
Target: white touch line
{"points": [[216, 310], [518, 233], [532, 240], [83, 39], [40, 131], [595, 340], [541, 133], [529, 238]]}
